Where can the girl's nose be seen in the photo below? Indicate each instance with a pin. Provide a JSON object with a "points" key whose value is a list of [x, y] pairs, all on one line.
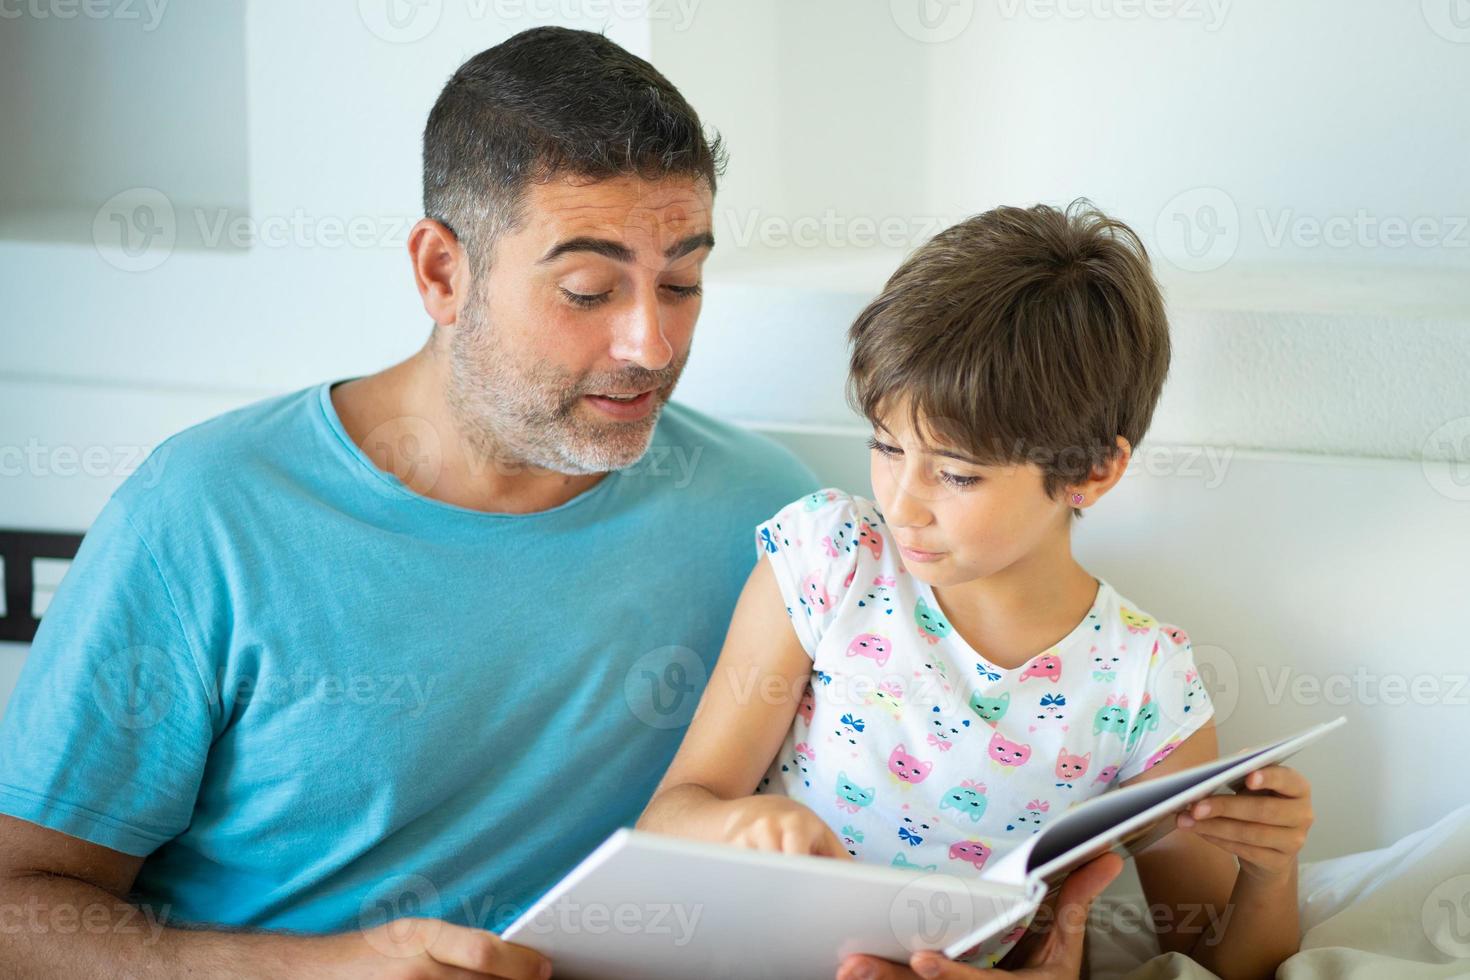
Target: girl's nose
{"points": [[907, 509]]}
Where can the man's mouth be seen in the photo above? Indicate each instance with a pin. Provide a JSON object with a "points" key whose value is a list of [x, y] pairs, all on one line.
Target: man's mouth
{"points": [[624, 406]]}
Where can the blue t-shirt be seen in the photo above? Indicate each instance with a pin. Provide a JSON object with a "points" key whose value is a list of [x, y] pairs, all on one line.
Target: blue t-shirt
{"points": [[314, 699]]}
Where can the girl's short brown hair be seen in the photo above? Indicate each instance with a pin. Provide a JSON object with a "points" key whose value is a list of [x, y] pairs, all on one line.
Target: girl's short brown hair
{"points": [[1019, 335]]}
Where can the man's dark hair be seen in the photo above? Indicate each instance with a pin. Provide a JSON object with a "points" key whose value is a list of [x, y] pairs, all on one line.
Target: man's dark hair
{"points": [[551, 102]]}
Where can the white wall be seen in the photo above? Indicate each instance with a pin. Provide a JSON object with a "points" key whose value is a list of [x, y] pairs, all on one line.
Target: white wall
{"points": [[1306, 109], [1283, 128], [108, 103], [838, 120]]}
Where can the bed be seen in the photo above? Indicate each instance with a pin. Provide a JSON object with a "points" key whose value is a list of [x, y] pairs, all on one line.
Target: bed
{"points": [[1401, 911]]}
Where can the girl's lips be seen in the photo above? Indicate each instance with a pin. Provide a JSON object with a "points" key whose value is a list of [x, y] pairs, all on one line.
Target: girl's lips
{"points": [[913, 554]]}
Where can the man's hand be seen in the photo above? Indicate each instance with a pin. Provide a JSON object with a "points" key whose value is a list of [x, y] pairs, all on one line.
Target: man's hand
{"points": [[46, 869], [1057, 956], [429, 949]]}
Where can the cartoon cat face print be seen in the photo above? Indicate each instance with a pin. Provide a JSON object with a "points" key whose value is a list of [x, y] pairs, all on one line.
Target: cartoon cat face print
{"points": [[973, 852], [933, 627], [1071, 768], [873, 646], [968, 798], [852, 797], [1006, 753], [990, 710], [907, 768]]}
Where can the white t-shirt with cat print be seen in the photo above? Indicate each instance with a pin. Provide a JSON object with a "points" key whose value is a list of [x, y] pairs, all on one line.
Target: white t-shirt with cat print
{"points": [[915, 749]]}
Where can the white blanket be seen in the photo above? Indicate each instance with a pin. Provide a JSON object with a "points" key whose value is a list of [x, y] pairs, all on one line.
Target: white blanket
{"points": [[1402, 911]]}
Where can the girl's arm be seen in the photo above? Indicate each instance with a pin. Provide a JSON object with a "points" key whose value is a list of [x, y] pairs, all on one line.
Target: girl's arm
{"points": [[1236, 922], [737, 729]]}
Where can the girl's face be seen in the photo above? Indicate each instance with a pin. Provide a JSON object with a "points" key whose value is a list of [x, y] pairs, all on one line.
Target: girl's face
{"points": [[956, 520]]}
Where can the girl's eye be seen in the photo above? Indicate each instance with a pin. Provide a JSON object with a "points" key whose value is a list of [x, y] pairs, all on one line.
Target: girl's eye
{"points": [[959, 482], [893, 452], [584, 300], [685, 292]]}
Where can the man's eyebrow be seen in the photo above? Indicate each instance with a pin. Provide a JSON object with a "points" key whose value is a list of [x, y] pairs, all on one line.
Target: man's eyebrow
{"points": [[616, 251], [619, 252], [691, 244]]}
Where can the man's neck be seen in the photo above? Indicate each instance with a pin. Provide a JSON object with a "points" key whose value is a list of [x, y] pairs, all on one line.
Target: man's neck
{"points": [[402, 420]]}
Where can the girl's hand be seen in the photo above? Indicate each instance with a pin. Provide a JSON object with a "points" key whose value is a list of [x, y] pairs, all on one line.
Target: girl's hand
{"points": [[778, 823], [1264, 826]]}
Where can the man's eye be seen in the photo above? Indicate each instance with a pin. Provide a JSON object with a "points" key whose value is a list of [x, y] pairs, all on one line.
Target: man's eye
{"points": [[884, 448], [584, 300], [685, 292]]}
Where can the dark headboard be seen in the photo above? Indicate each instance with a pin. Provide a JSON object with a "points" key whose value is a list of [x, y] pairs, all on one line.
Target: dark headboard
{"points": [[18, 548]]}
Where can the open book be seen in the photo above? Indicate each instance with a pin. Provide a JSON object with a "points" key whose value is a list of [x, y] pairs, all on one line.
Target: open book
{"points": [[650, 906]]}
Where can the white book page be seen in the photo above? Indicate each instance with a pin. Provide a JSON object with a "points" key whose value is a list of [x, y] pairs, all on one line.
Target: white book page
{"points": [[665, 908]]}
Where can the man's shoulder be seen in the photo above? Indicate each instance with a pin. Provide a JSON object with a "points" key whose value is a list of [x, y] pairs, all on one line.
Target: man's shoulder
{"points": [[209, 458], [710, 449]]}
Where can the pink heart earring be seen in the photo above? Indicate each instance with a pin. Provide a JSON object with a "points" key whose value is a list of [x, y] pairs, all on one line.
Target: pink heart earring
{"points": [[1077, 499]]}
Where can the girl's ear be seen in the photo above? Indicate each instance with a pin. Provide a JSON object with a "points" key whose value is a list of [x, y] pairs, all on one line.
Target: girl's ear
{"points": [[1107, 475]]}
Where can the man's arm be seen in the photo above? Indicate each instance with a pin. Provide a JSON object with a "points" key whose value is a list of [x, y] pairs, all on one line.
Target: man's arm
{"points": [[64, 914]]}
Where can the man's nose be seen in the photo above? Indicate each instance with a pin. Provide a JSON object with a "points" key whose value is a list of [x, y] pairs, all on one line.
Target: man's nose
{"points": [[639, 335]]}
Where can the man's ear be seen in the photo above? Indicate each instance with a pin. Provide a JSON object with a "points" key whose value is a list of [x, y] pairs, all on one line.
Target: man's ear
{"points": [[1104, 477], [440, 270]]}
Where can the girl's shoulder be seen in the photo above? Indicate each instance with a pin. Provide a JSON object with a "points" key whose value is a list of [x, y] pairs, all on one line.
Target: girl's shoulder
{"points": [[829, 523], [1134, 627], [1120, 647], [828, 502], [824, 548], [1156, 690]]}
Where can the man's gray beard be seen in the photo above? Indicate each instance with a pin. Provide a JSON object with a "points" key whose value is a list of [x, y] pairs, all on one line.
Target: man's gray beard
{"points": [[527, 417]]}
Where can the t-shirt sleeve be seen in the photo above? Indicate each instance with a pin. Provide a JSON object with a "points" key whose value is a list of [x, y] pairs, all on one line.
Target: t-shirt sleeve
{"points": [[106, 734], [1174, 705], [812, 546]]}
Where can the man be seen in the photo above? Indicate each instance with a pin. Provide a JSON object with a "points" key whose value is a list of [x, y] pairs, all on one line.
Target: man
{"points": [[376, 662]]}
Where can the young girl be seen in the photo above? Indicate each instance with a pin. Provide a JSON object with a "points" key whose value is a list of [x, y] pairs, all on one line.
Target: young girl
{"points": [[925, 679]]}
